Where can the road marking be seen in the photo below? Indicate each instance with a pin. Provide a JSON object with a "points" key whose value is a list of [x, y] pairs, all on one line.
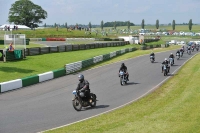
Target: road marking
{"points": [[158, 85]]}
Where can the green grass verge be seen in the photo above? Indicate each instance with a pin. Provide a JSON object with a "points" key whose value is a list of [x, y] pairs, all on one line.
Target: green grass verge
{"points": [[173, 108], [42, 63]]}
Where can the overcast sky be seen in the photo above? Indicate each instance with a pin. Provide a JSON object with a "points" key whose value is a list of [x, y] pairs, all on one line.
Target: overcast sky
{"points": [[94, 11]]}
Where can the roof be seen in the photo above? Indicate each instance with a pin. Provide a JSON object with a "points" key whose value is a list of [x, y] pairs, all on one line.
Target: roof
{"points": [[12, 26]]}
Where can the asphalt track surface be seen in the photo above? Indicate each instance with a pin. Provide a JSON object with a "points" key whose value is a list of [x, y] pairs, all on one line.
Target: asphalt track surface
{"points": [[48, 105], [51, 43]]}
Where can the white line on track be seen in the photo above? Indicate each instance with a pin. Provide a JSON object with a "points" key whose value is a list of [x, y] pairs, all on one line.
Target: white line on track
{"points": [[128, 102]]}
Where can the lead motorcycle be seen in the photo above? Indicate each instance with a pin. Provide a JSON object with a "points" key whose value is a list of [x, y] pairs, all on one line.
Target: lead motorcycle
{"points": [[80, 100], [165, 69], [123, 78]]}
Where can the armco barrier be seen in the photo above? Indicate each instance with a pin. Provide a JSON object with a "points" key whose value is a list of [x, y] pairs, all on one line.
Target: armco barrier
{"points": [[30, 80]]}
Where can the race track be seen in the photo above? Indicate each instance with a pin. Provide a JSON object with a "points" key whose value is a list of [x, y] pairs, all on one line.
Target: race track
{"points": [[48, 105]]}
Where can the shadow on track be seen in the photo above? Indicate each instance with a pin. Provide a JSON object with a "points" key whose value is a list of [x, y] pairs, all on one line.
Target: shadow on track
{"points": [[96, 107], [132, 83]]}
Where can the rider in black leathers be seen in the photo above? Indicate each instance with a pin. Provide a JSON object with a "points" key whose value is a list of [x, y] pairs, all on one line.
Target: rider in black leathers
{"points": [[152, 54], [83, 86], [178, 51], [124, 69], [165, 62], [171, 56]]}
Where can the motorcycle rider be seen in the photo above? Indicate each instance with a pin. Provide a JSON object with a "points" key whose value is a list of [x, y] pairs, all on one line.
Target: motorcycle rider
{"points": [[83, 86], [124, 69], [188, 48], [166, 62], [152, 54], [181, 51], [172, 56], [178, 52], [183, 48]]}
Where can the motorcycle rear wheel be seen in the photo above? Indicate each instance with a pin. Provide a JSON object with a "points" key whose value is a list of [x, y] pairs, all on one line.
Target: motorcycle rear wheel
{"points": [[77, 104], [94, 101]]}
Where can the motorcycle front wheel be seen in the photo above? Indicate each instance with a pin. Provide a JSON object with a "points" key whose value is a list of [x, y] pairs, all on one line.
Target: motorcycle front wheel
{"points": [[121, 81], [76, 104]]}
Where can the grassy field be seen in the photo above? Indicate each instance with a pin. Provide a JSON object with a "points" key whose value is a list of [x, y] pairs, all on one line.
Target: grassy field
{"points": [[172, 108], [43, 63]]}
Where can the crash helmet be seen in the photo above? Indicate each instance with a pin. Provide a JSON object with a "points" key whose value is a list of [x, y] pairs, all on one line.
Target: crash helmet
{"points": [[81, 77], [171, 53], [165, 59], [122, 64]]}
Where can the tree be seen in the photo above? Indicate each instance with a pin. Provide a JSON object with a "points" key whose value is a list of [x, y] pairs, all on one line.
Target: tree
{"points": [[115, 25], [128, 24], [25, 12], [66, 25], [157, 24], [142, 24], [173, 24], [190, 24], [45, 25], [55, 25], [90, 25], [102, 25]]}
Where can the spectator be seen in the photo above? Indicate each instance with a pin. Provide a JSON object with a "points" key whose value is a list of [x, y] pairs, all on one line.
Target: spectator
{"points": [[11, 48]]}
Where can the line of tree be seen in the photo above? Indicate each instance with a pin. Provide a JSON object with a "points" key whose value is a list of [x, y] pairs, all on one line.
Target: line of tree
{"points": [[25, 12], [118, 23]]}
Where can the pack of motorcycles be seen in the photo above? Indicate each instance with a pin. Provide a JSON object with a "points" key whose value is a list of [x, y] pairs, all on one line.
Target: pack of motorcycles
{"points": [[79, 101]]}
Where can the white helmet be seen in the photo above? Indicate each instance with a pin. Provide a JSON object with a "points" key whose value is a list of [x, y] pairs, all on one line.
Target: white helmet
{"points": [[171, 53], [165, 58]]}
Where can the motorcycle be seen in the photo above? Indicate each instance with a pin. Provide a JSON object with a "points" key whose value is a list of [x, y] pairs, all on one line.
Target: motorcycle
{"points": [[123, 78], [165, 69], [189, 52], [151, 59], [171, 61], [192, 49], [177, 56], [80, 100], [181, 53]]}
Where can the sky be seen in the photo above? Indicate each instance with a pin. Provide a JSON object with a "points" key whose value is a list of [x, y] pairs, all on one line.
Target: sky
{"points": [[84, 11]]}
